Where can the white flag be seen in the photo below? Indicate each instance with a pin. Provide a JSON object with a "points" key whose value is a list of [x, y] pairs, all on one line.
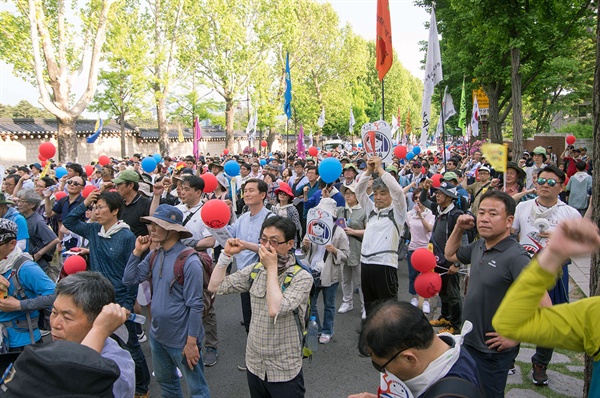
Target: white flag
{"points": [[433, 75], [310, 138], [449, 111], [475, 118], [352, 121], [321, 121]]}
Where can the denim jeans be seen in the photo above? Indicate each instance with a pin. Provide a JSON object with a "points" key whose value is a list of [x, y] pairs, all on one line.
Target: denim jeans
{"points": [[142, 373], [412, 273], [165, 360], [328, 303]]}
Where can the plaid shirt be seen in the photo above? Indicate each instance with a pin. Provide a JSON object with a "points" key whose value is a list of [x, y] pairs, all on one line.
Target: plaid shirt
{"points": [[274, 347]]}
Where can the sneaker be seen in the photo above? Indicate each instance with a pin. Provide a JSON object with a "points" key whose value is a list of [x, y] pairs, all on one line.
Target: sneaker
{"points": [[513, 369], [440, 322], [426, 308], [142, 337], [210, 357], [141, 394], [364, 314], [414, 301], [449, 329], [345, 307], [538, 375], [243, 367], [325, 338], [44, 333]]}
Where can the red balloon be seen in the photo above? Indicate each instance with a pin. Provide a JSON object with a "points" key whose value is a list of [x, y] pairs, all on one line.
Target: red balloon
{"points": [[400, 151], [44, 163], [329, 154], [41, 158], [225, 151], [437, 180], [60, 194], [88, 190], [423, 171], [423, 260], [435, 160], [313, 151], [428, 284], [215, 213], [47, 150], [264, 144], [571, 139], [89, 170], [103, 160], [210, 182], [74, 264]]}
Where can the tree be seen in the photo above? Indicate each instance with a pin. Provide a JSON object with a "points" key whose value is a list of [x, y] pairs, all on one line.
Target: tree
{"points": [[24, 109], [43, 46], [125, 82]]}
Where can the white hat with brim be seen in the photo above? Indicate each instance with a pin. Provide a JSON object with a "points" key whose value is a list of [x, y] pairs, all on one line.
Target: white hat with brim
{"points": [[328, 205]]}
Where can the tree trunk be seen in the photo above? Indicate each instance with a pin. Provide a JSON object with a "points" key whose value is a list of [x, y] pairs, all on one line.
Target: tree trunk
{"points": [[163, 129], [494, 117], [595, 262], [123, 140], [517, 104], [229, 113], [67, 140]]}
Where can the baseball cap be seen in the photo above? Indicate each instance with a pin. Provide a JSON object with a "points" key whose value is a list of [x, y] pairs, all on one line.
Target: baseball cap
{"points": [[449, 176], [484, 168], [539, 150], [448, 189], [127, 176]]}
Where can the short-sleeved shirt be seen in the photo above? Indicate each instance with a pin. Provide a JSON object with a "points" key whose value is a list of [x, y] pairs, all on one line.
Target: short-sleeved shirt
{"points": [[63, 207], [492, 272], [40, 235], [138, 207]]}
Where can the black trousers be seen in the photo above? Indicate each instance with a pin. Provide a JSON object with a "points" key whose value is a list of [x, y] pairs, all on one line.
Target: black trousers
{"points": [[379, 283], [246, 310], [265, 389]]}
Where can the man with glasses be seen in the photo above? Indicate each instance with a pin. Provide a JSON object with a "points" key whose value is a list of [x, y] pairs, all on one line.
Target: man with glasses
{"points": [[63, 207], [274, 348], [408, 354], [255, 170], [535, 220]]}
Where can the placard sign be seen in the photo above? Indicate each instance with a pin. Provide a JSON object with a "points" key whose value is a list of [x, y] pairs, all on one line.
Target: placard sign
{"points": [[377, 140], [220, 234], [319, 226]]}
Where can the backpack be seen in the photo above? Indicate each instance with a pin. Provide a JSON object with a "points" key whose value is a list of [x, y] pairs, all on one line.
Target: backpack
{"points": [[404, 238], [301, 321], [208, 298]]}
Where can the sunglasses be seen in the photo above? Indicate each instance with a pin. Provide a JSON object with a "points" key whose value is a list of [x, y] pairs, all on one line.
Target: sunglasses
{"points": [[74, 183], [551, 181]]}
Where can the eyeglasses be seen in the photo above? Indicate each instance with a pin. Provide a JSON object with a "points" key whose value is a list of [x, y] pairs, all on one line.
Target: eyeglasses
{"points": [[98, 208], [71, 182], [381, 369], [272, 242], [551, 181]]}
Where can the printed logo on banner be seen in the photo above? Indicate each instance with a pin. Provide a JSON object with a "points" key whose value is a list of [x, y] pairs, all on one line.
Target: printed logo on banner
{"points": [[319, 227], [377, 139]]}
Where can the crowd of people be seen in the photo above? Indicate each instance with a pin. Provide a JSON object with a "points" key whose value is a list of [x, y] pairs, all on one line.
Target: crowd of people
{"points": [[145, 244]]}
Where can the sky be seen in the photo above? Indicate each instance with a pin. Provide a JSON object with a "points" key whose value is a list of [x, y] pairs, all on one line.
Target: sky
{"points": [[408, 29]]}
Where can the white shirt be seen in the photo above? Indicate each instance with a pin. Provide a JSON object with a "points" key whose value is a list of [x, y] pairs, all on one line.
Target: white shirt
{"points": [[195, 224]]}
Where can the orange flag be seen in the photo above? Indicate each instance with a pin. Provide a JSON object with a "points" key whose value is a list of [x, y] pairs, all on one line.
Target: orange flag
{"points": [[383, 47]]}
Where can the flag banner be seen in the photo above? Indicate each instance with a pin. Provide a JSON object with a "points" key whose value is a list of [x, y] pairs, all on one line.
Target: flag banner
{"points": [[475, 118], [319, 226], [300, 144], [287, 105], [97, 130], [310, 138], [462, 116], [180, 136], [449, 111], [321, 121], [352, 123], [383, 47], [377, 140], [197, 137], [496, 154], [433, 75]]}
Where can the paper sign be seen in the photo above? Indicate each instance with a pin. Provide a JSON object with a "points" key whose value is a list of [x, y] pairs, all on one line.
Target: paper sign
{"points": [[220, 234], [341, 222], [319, 226], [377, 140]]}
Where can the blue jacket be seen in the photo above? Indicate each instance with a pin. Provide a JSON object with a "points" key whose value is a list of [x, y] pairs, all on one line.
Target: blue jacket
{"points": [[107, 255], [22, 231]]}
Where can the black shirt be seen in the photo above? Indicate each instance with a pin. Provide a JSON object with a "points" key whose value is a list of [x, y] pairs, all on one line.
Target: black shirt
{"points": [[139, 207]]}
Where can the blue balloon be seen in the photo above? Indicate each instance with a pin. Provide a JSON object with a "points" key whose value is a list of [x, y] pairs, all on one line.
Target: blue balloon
{"points": [[263, 162], [417, 150], [330, 170], [157, 157], [60, 172], [410, 156], [270, 154], [232, 168], [401, 161], [359, 145], [149, 164]]}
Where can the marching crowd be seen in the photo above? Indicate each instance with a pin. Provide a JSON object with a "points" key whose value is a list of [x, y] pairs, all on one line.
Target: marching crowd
{"points": [[502, 244]]}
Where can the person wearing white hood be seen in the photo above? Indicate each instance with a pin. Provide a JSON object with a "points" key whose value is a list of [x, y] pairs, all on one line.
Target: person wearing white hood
{"points": [[325, 262], [18, 310], [579, 188]]}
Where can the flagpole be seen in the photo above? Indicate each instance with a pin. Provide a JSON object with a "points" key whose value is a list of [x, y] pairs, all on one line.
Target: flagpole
{"points": [[443, 133], [382, 101]]}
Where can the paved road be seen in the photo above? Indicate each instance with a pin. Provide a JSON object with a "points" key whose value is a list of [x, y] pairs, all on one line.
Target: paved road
{"points": [[336, 370]]}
